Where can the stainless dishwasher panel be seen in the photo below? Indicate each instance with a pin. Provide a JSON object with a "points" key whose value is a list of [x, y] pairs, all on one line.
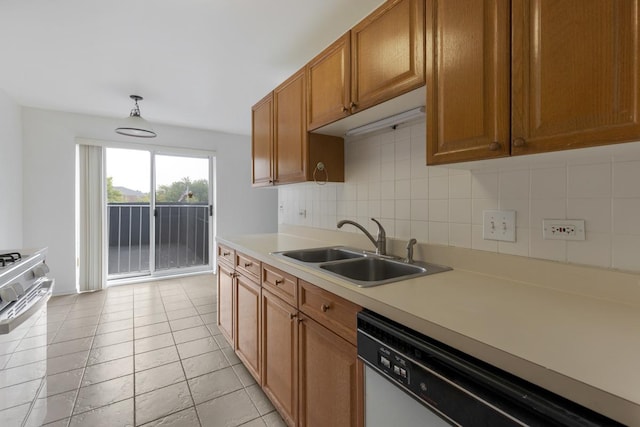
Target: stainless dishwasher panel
{"points": [[386, 405]]}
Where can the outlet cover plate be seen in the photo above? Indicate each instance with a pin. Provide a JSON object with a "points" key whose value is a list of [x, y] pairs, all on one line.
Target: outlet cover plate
{"points": [[499, 225], [563, 229]]}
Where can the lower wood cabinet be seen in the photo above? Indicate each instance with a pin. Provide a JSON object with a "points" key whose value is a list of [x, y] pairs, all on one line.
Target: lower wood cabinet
{"points": [[247, 324], [280, 355], [226, 276], [297, 340], [331, 378]]}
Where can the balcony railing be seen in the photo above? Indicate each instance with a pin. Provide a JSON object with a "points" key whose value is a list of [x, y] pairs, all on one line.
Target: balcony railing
{"points": [[181, 237]]}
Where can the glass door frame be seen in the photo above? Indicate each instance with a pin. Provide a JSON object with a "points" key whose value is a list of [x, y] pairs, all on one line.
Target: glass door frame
{"points": [[152, 220], [174, 272]]}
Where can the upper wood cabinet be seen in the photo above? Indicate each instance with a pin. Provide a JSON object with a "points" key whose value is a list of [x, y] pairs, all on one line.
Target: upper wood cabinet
{"points": [[329, 84], [575, 74], [467, 80], [262, 149], [387, 53], [527, 76], [380, 58], [283, 152], [290, 134]]}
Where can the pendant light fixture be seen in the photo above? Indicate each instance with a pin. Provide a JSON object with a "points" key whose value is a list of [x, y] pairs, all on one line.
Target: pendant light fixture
{"points": [[135, 125]]}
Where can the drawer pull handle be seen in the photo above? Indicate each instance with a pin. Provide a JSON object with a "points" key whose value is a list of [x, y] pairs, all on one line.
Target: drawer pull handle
{"points": [[300, 320], [519, 142], [232, 275], [226, 253], [279, 282], [292, 316], [325, 307], [248, 264]]}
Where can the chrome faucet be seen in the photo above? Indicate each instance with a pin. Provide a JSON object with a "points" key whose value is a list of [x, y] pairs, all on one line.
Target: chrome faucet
{"points": [[409, 259], [380, 242]]}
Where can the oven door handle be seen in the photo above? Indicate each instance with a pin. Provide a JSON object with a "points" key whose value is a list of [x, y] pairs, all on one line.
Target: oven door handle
{"points": [[45, 290]]}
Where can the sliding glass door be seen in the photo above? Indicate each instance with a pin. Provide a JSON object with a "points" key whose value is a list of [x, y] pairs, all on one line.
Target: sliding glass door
{"points": [[159, 213], [182, 212]]}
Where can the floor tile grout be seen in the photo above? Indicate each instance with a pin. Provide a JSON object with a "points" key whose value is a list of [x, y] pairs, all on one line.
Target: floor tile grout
{"points": [[184, 301]]}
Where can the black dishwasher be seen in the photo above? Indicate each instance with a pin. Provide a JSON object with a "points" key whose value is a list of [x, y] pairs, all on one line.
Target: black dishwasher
{"points": [[451, 387]]}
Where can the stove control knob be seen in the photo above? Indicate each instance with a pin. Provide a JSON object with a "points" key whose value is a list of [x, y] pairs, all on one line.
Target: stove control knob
{"points": [[40, 270], [18, 288], [8, 294]]}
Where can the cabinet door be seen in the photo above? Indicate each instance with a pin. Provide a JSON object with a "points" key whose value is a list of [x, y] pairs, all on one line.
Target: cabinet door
{"points": [[291, 130], [329, 84], [331, 378], [575, 74], [262, 142], [387, 53], [467, 71], [279, 355], [225, 301], [247, 324]]}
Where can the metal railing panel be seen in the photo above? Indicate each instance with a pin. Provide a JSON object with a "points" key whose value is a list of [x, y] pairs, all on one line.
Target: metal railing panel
{"points": [[181, 235]]}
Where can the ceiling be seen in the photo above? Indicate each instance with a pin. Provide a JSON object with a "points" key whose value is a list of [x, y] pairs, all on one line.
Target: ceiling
{"points": [[197, 63]]}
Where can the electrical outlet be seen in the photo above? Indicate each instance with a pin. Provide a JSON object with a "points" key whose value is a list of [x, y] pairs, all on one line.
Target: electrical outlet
{"points": [[563, 229], [499, 225]]}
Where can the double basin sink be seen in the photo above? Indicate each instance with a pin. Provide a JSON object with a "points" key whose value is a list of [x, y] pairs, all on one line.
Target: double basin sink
{"points": [[362, 268]]}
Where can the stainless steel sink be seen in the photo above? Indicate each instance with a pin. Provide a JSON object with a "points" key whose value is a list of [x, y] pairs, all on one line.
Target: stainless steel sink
{"points": [[323, 254], [361, 268]]}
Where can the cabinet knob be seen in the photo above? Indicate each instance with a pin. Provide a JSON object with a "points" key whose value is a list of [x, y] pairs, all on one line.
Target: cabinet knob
{"points": [[324, 307], [353, 106], [226, 253], [300, 320], [279, 282], [494, 146], [519, 142], [248, 264], [344, 109], [292, 316]]}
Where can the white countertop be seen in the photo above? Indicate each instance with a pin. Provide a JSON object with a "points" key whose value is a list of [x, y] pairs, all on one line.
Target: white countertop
{"points": [[583, 347]]}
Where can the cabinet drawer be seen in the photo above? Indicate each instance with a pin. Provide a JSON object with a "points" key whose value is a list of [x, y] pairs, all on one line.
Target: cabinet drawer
{"points": [[331, 311], [280, 283], [248, 265], [226, 254]]}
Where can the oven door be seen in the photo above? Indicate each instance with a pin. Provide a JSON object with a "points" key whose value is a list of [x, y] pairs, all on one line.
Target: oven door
{"points": [[23, 357]]}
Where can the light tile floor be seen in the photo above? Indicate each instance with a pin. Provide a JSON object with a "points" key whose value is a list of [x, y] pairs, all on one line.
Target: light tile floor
{"points": [[148, 354]]}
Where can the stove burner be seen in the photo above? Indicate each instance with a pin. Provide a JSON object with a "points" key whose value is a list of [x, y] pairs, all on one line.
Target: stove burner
{"points": [[9, 258]]}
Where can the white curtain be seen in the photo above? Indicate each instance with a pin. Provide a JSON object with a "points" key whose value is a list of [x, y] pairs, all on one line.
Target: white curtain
{"points": [[91, 237]]}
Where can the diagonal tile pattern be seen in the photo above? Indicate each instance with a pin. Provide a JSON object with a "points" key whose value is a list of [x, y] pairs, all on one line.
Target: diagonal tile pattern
{"points": [[145, 354]]}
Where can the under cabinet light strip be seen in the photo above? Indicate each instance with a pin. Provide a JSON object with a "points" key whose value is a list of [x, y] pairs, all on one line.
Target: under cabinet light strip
{"points": [[387, 122]]}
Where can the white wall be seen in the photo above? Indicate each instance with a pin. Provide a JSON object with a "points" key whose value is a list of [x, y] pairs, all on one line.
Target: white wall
{"points": [[10, 174], [49, 181], [386, 178]]}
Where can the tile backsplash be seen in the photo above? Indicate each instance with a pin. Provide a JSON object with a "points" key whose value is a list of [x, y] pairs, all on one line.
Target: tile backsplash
{"points": [[386, 178]]}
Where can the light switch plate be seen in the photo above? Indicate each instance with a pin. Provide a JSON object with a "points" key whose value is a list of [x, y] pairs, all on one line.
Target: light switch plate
{"points": [[499, 225]]}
